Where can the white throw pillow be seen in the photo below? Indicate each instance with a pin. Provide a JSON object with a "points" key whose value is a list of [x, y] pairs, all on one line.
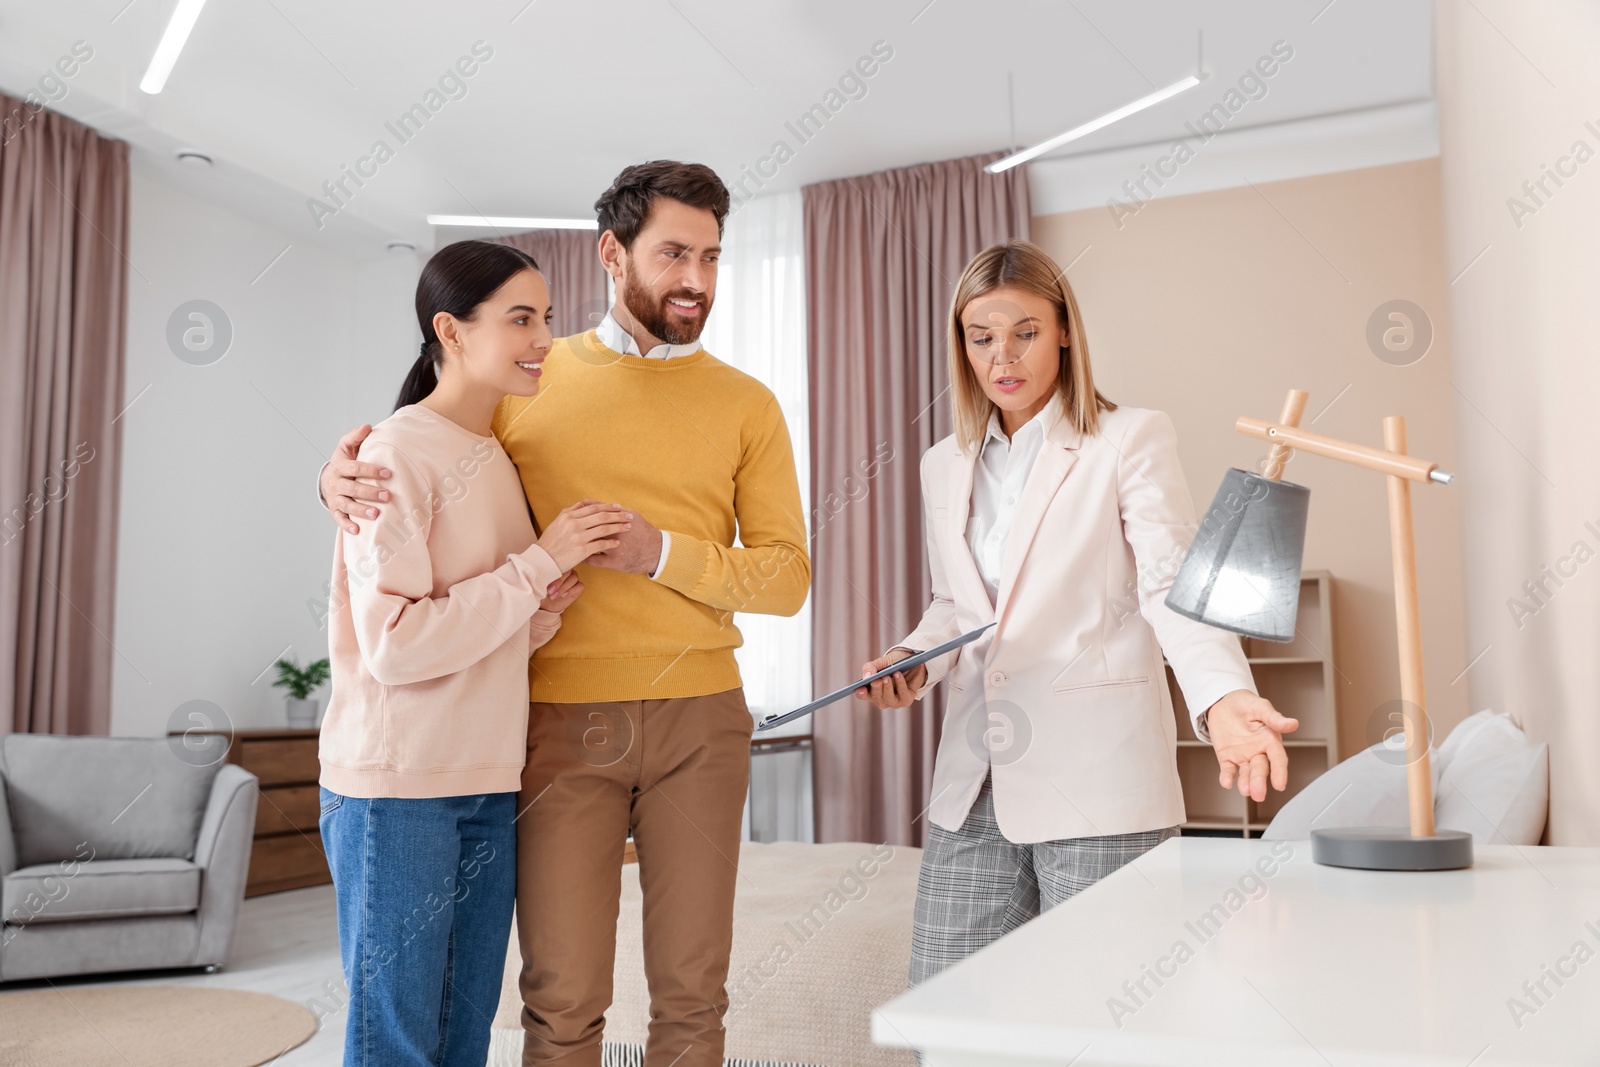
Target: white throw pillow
{"points": [[1488, 780], [1368, 789], [1493, 783]]}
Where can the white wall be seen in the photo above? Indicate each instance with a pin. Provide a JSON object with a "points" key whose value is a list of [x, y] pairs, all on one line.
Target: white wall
{"points": [[1121, 180], [221, 542], [1519, 133]]}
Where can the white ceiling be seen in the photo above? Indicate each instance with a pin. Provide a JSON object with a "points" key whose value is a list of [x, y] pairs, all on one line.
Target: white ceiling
{"points": [[283, 93]]}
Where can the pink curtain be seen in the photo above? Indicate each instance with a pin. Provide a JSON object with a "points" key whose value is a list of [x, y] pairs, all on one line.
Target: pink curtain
{"points": [[570, 260], [63, 228], [883, 253]]}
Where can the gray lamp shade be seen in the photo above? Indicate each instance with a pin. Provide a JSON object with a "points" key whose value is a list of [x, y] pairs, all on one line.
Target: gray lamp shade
{"points": [[1242, 572]]}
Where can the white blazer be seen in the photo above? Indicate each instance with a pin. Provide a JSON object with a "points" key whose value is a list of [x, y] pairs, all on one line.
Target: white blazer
{"points": [[1067, 698]]}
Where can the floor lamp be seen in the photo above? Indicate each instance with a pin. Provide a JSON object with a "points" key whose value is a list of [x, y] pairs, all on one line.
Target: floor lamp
{"points": [[1242, 573]]}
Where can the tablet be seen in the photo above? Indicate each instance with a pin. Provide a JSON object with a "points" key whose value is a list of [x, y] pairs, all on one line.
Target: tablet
{"points": [[909, 663]]}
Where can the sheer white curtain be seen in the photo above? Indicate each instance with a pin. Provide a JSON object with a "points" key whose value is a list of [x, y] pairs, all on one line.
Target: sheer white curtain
{"points": [[758, 325]]}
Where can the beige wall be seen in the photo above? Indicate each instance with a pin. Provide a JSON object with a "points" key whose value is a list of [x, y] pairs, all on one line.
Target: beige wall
{"points": [[1213, 305], [1519, 98]]}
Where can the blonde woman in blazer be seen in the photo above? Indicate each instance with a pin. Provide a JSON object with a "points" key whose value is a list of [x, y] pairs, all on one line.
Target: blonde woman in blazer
{"points": [[1062, 518]]}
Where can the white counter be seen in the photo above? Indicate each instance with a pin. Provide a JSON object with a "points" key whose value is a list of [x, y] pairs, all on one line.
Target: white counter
{"points": [[1230, 953]]}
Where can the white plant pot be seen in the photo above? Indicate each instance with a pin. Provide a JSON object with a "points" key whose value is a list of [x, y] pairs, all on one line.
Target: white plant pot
{"points": [[302, 713]]}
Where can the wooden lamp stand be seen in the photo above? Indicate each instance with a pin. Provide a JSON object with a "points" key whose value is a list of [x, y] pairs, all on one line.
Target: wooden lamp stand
{"points": [[1422, 847]]}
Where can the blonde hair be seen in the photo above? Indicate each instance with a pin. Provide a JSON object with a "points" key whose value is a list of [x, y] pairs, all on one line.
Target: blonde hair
{"points": [[1020, 265]]}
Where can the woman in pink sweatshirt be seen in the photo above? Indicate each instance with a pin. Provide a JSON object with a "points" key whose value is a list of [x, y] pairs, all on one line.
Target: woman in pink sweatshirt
{"points": [[437, 606]]}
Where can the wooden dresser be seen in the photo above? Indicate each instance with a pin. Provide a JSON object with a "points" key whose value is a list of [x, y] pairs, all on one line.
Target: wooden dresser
{"points": [[287, 850]]}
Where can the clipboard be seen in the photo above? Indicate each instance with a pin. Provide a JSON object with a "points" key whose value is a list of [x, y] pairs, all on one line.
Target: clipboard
{"points": [[909, 663]]}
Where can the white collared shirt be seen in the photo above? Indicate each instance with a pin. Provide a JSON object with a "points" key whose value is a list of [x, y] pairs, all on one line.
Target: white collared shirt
{"points": [[614, 337], [998, 476]]}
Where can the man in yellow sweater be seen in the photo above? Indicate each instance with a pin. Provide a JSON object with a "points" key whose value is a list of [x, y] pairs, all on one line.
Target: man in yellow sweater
{"points": [[636, 717]]}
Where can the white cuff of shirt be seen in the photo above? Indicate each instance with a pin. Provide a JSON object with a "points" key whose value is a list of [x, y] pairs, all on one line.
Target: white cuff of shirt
{"points": [[666, 546]]}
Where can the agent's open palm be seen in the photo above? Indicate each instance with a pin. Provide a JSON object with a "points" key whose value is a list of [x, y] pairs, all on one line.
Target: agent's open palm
{"points": [[1247, 735]]}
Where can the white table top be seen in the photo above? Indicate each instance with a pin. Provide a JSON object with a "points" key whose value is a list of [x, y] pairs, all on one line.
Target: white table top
{"points": [[1306, 966]]}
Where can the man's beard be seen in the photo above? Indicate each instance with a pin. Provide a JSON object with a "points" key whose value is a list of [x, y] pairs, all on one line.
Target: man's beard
{"points": [[651, 312]]}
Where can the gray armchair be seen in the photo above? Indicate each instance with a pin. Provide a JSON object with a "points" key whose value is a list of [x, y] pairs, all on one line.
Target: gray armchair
{"points": [[120, 854]]}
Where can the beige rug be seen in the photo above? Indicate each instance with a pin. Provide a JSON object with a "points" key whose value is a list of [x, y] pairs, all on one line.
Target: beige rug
{"points": [[148, 1026]]}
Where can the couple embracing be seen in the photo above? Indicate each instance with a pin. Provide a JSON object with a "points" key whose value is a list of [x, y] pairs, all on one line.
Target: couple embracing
{"points": [[501, 721]]}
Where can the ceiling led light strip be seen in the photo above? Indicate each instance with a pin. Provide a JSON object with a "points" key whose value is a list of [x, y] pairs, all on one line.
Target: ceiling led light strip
{"points": [[172, 42], [1095, 124]]}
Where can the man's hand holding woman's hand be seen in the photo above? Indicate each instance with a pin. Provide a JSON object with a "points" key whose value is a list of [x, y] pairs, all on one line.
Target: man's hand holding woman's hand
{"points": [[896, 691], [583, 530], [635, 551], [1247, 735], [347, 498]]}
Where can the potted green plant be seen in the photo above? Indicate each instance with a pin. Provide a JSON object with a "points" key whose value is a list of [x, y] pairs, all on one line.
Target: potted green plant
{"points": [[300, 682]]}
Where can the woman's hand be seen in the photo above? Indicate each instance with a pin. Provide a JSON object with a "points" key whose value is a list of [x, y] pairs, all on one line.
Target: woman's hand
{"points": [[583, 530], [895, 691], [1247, 735], [561, 593]]}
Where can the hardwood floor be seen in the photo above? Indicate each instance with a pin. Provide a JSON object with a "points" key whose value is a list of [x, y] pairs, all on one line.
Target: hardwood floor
{"points": [[287, 944]]}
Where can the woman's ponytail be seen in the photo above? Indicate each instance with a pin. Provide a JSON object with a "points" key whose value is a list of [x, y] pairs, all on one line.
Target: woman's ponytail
{"points": [[422, 379], [455, 280]]}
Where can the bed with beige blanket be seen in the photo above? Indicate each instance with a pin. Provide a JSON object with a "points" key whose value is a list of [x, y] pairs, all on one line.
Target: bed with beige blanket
{"points": [[821, 936]]}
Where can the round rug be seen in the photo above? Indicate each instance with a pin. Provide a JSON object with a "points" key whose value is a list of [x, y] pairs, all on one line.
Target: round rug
{"points": [[148, 1026]]}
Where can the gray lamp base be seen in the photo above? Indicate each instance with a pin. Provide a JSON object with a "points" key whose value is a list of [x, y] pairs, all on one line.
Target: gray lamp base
{"points": [[1385, 848]]}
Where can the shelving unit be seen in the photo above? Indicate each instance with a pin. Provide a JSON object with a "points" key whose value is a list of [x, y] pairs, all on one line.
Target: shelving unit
{"points": [[1298, 678]]}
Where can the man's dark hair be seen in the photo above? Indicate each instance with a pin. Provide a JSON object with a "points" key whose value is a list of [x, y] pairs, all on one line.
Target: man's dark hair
{"points": [[625, 206]]}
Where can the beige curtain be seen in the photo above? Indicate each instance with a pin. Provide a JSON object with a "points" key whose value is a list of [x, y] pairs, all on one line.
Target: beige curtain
{"points": [[63, 231], [570, 261], [883, 253]]}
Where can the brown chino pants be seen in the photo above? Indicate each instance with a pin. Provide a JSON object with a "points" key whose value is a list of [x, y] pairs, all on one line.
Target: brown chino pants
{"points": [[675, 771]]}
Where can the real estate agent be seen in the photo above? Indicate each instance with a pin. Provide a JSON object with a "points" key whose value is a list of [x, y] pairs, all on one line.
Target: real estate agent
{"points": [[1062, 517]]}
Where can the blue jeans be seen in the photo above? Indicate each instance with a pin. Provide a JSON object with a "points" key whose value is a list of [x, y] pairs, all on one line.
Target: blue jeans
{"points": [[425, 891]]}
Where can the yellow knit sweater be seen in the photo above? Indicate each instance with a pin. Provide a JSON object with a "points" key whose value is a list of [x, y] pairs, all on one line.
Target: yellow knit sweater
{"points": [[701, 450]]}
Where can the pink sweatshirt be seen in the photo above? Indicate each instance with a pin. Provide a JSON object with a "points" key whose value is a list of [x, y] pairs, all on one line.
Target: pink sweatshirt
{"points": [[430, 628]]}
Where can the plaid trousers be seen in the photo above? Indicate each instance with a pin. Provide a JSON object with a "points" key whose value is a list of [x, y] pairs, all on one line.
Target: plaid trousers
{"points": [[976, 886]]}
